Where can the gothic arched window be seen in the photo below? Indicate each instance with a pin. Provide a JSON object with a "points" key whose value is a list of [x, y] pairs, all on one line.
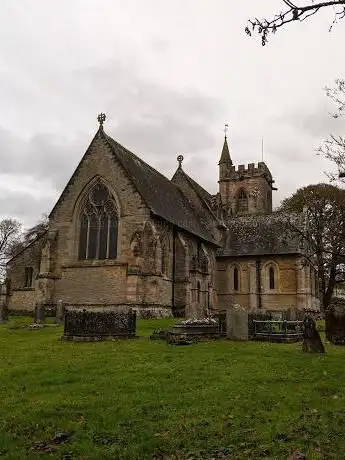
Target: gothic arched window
{"points": [[242, 201], [272, 278], [236, 279], [98, 225]]}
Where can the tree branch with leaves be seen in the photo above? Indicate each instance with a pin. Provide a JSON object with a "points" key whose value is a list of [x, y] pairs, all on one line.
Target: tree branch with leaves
{"points": [[324, 233], [293, 13]]}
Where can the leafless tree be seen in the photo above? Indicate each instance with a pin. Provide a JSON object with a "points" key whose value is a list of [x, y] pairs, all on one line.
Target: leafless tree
{"points": [[333, 148], [10, 235], [293, 12], [25, 238]]}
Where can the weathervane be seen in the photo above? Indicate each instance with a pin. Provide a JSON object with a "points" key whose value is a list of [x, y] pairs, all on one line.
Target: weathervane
{"points": [[101, 119], [226, 127], [180, 159]]}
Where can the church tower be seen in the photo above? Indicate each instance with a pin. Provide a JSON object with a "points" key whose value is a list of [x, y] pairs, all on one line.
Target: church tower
{"points": [[244, 190]]}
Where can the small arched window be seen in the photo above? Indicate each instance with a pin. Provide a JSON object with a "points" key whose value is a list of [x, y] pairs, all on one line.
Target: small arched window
{"points": [[272, 278], [198, 291], [29, 272], [98, 225], [242, 201], [236, 279]]}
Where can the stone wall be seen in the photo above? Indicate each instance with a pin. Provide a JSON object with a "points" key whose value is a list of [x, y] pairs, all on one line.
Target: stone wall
{"points": [[253, 181], [30, 257], [143, 271], [293, 283]]}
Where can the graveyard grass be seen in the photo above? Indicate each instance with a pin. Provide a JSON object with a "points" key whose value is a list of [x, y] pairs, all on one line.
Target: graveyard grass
{"points": [[142, 399]]}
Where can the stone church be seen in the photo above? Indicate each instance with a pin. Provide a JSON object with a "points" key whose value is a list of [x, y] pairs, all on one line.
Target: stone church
{"points": [[122, 234]]}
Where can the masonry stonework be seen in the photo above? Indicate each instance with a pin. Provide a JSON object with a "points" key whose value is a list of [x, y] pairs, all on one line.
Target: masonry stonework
{"points": [[157, 245]]}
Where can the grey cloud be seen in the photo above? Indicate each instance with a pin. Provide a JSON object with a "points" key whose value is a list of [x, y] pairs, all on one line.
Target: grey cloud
{"points": [[43, 156], [315, 121], [149, 117], [27, 208], [153, 121]]}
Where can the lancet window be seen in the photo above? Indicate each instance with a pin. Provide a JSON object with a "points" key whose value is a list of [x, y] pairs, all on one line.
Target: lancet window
{"points": [[242, 201]]}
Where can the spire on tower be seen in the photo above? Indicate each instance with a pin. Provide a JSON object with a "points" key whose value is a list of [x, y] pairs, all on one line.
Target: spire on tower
{"points": [[225, 156]]}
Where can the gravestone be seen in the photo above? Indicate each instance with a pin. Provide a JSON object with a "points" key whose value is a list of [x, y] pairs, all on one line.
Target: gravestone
{"points": [[3, 304], [39, 316], [60, 312], [237, 323], [312, 342], [194, 311], [87, 325], [3, 312], [335, 322]]}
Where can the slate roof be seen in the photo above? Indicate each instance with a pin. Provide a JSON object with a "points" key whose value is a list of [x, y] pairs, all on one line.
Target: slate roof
{"points": [[204, 195], [261, 235], [164, 198]]}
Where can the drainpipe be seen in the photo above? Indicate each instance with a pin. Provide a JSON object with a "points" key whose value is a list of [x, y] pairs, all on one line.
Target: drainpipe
{"points": [[258, 281]]}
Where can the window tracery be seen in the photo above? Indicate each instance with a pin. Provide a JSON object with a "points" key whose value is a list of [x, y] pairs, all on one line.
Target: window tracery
{"points": [[98, 225], [242, 201]]}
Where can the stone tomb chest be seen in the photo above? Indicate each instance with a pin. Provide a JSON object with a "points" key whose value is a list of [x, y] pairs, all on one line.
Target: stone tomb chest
{"points": [[88, 325]]}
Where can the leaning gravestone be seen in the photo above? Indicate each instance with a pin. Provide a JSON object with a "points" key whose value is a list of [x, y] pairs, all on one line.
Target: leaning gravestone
{"points": [[237, 323], [312, 342]]}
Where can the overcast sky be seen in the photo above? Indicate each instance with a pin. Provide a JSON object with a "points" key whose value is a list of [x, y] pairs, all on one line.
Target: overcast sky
{"points": [[168, 74]]}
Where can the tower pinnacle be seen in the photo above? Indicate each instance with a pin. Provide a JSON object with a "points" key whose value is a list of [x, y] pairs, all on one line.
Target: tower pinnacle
{"points": [[225, 156]]}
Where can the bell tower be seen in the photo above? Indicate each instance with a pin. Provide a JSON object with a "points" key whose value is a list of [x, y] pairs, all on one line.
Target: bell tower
{"points": [[244, 190]]}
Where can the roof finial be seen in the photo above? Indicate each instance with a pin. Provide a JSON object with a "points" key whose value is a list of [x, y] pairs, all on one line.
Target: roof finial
{"points": [[226, 127], [101, 119], [180, 159]]}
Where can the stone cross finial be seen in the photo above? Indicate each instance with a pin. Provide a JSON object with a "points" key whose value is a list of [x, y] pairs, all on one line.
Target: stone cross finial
{"points": [[226, 127], [101, 118], [180, 159]]}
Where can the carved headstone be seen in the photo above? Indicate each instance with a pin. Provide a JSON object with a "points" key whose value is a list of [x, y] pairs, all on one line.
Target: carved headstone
{"points": [[60, 312], [237, 323], [312, 342]]}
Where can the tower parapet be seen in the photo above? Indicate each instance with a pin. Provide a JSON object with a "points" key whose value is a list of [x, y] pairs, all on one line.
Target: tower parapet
{"points": [[244, 189], [252, 170]]}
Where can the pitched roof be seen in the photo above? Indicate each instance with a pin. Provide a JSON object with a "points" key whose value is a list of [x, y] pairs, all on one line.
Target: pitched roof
{"points": [[225, 156], [164, 198], [261, 235]]}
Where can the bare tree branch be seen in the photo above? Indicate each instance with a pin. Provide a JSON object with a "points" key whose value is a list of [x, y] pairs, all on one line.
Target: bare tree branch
{"points": [[10, 231], [293, 13], [333, 148]]}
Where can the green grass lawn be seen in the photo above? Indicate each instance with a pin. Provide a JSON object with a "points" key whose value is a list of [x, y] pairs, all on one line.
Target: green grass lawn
{"points": [[142, 399]]}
